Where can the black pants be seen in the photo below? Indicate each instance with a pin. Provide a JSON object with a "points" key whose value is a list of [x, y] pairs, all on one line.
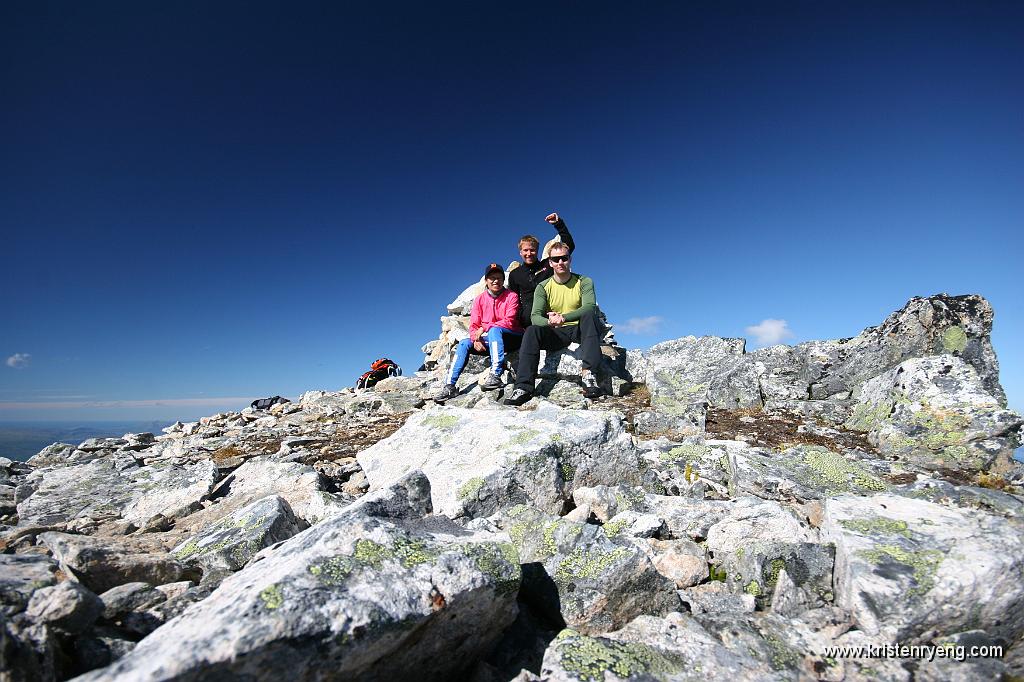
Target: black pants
{"points": [[587, 333]]}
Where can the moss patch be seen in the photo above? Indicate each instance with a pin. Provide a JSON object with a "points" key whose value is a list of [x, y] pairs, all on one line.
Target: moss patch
{"points": [[523, 437], [499, 561], [686, 451]]}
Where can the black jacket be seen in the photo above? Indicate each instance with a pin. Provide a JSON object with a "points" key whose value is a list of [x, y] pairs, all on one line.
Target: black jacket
{"points": [[524, 279]]}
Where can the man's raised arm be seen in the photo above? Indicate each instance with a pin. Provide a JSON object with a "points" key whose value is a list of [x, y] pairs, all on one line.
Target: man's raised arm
{"points": [[563, 230]]}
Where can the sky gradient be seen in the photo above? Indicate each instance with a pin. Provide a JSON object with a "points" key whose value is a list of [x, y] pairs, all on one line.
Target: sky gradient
{"points": [[206, 203]]}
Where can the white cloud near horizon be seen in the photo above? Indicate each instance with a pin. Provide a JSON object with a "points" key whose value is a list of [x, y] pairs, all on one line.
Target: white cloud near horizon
{"points": [[641, 325], [770, 332], [120, 404], [19, 360]]}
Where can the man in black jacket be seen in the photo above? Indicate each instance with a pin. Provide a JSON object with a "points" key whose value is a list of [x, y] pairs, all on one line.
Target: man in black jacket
{"points": [[524, 279]]}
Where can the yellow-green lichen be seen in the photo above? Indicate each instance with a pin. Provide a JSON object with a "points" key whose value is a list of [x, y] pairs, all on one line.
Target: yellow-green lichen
{"points": [[867, 417], [954, 340], [613, 528], [781, 656], [585, 564], [470, 489], [556, 437], [925, 563], [837, 473], [568, 471], [523, 437], [334, 570], [499, 561], [686, 451], [549, 546], [588, 658], [407, 552], [272, 596], [440, 421], [753, 588], [771, 573], [879, 525], [717, 573]]}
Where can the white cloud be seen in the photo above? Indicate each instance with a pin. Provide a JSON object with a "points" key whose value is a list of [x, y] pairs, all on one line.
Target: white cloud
{"points": [[18, 360], [770, 332], [641, 325]]}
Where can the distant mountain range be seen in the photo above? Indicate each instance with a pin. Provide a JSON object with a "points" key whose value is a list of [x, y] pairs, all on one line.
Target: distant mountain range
{"points": [[21, 440]]}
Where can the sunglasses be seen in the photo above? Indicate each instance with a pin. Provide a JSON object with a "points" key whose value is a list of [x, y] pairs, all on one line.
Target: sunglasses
{"points": [[558, 259]]}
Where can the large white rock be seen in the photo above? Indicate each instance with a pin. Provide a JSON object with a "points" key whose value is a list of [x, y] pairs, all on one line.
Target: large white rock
{"points": [[909, 569], [481, 461], [936, 411], [359, 596]]}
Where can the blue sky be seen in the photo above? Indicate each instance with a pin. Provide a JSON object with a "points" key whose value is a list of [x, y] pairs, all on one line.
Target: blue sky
{"points": [[205, 203]]}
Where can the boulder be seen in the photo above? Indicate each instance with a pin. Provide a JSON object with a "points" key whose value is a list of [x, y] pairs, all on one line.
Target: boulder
{"points": [[233, 541], [362, 596], [66, 606], [935, 412], [104, 563], [601, 582], [675, 647], [908, 568], [123, 599], [20, 576], [482, 461]]}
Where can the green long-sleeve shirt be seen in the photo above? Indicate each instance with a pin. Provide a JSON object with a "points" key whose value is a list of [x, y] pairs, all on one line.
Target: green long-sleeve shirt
{"points": [[571, 299]]}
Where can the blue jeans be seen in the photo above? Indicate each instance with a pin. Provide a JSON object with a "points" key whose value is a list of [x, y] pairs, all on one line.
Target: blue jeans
{"points": [[496, 339]]}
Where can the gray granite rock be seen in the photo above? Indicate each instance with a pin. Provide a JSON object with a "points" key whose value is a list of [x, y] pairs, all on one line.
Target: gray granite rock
{"points": [[234, 540], [363, 596], [20, 576], [104, 563], [66, 606], [602, 582], [908, 568], [936, 412]]}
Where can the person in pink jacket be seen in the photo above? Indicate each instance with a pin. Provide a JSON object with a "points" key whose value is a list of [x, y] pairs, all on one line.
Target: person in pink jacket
{"points": [[493, 327]]}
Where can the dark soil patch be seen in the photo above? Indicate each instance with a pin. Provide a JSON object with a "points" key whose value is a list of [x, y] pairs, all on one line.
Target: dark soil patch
{"points": [[777, 429], [354, 438]]}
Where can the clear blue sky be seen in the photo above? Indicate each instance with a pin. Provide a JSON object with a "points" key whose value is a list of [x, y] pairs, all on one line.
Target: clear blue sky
{"points": [[204, 201]]}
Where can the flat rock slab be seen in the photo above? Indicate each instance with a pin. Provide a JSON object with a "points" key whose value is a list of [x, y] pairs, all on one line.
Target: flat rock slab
{"points": [[169, 491], [234, 540], [908, 568], [104, 563], [482, 461], [299, 485], [359, 596]]}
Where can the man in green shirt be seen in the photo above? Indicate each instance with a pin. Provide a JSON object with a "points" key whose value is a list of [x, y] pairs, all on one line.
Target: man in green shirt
{"points": [[564, 311]]}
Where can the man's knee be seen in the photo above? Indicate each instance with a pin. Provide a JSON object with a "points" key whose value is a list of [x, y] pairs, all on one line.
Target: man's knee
{"points": [[494, 334]]}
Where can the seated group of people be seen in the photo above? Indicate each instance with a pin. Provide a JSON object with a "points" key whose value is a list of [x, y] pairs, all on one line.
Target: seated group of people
{"points": [[546, 306]]}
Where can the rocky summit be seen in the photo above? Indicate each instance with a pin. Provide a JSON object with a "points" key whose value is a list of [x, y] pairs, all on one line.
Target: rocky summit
{"points": [[791, 513]]}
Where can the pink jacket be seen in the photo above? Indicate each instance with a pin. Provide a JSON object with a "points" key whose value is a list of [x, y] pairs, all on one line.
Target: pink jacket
{"points": [[495, 312]]}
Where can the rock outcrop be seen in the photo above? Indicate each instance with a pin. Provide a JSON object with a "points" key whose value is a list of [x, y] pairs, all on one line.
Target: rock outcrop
{"points": [[717, 513]]}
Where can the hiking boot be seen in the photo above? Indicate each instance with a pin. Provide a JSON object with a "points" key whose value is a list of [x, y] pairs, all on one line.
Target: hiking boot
{"points": [[446, 392], [491, 383], [518, 397], [590, 387]]}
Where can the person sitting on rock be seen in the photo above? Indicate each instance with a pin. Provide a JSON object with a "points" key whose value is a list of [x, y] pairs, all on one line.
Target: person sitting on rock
{"points": [[564, 312], [494, 318], [524, 279]]}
